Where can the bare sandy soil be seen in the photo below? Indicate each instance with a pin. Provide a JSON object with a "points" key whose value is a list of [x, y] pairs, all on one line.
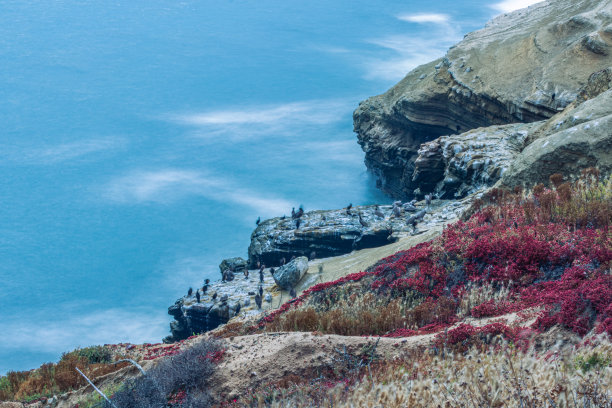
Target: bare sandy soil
{"points": [[253, 360]]}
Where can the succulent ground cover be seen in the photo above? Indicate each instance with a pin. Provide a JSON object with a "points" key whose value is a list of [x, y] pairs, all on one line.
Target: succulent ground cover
{"points": [[542, 257], [53, 378], [547, 251]]}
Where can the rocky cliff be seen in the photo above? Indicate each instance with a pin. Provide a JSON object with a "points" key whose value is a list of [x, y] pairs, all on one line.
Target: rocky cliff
{"points": [[521, 68]]}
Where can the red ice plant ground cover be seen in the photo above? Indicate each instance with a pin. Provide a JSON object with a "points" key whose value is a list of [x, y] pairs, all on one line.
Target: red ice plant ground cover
{"points": [[534, 246]]}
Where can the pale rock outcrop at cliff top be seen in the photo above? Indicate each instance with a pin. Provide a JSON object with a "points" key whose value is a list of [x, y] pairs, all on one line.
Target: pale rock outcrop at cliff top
{"points": [[522, 67], [578, 138]]}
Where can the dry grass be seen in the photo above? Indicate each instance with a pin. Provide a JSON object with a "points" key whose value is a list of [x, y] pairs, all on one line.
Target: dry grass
{"points": [[477, 294], [496, 377], [351, 315], [583, 203]]}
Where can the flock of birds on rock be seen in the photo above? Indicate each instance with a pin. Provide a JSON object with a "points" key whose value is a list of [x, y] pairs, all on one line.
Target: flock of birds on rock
{"points": [[397, 209], [259, 297]]}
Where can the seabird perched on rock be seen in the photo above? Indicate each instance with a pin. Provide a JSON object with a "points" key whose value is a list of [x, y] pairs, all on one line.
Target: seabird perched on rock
{"points": [[258, 220], [237, 309], [292, 293], [409, 207], [260, 290], [258, 301], [268, 298], [283, 217], [272, 270], [283, 261], [412, 220], [198, 296], [362, 222], [261, 277], [312, 256], [214, 296], [348, 209], [246, 273], [190, 292], [204, 288], [428, 198], [293, 212], [378, 213], [297, 224]]}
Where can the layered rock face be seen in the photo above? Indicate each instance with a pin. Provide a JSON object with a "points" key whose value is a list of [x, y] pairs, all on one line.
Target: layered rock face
{"points": [[523, 67]]}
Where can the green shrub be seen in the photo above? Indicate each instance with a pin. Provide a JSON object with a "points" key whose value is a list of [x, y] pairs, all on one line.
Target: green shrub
{"points": [[93, 354], [593, 361]]}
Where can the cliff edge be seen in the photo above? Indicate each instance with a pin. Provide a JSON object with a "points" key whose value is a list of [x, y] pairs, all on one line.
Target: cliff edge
{"points": [[522, 67]]}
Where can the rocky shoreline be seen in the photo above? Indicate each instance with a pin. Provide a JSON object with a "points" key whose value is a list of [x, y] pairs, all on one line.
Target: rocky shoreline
{"points": [[322, 235], [448, 131]]}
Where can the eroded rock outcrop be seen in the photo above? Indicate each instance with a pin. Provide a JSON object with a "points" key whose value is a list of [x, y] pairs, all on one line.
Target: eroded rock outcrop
{"points": [[522, 67], [578, 138], [324, 232], [457, 165]]}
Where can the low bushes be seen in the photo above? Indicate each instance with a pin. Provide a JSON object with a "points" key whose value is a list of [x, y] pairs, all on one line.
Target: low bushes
{"points": [[176, 380], [52, 378]]}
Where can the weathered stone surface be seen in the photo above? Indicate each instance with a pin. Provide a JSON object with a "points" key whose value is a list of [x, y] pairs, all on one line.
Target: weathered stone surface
{"points": [[327, 233], [578, 138], [236, 264], [457, 165], [523, 66], [191, 316], [287, 276]]}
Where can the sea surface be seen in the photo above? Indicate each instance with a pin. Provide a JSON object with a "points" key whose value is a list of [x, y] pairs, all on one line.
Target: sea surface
{"points": [[141, 139]]}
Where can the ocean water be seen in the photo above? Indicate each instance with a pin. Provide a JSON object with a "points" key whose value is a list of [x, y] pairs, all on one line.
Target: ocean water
{"points": [[140, 140]]}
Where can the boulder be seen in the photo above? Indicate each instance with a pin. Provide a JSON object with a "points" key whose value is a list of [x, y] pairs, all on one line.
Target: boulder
{"points": [[287, 276], [457, 165], [236, 264]]}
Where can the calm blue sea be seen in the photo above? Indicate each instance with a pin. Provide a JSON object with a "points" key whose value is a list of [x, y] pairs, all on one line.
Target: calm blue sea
{"points": [[141, 139]]}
